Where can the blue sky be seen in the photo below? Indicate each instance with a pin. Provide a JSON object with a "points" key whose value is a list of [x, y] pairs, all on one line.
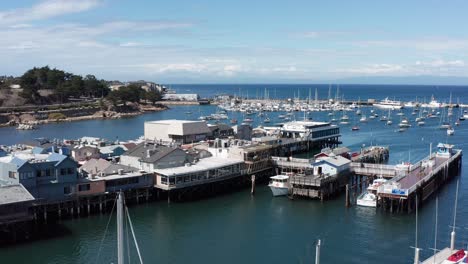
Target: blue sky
{"points": [[236, 41]]}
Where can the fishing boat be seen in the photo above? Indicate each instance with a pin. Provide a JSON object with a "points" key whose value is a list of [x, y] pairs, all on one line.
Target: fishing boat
{"points": [[363, 119], [279, 185], [389, 122], [421, 123], [266, 120], [248, 120], [355, 128]]}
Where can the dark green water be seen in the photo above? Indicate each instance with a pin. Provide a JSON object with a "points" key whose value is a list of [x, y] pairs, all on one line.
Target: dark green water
{"points": [[238, 228]]}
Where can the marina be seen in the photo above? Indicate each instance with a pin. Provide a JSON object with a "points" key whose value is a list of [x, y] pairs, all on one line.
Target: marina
{"points": [[265, 156]]}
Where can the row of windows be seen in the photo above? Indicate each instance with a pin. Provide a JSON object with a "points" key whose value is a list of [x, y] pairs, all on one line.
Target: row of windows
{"points": [[200, 175], [324, 133]]}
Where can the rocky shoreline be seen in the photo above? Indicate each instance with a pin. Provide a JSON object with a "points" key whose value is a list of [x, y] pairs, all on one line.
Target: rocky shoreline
{"points": [[80, 114]]}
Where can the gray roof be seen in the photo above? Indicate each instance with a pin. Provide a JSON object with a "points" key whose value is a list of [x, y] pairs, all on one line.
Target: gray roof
{"points": [[114, 168], [157, 152], [14, 194], [95, 165]]}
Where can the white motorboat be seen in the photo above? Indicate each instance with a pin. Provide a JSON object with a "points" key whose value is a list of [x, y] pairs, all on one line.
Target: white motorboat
{"points": [[450, 131], [279, 185], [367, 199]]}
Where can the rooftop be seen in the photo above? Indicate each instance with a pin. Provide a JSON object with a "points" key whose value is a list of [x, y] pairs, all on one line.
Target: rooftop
{"points": [[14, 194], [183, 127], [202, 165]]}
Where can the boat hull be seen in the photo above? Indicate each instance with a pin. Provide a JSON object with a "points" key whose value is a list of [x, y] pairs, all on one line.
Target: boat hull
{"points": [[278, 191]]}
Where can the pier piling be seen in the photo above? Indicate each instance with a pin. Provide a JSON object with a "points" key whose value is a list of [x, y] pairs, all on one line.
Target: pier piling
{"points": [[252, 190]]}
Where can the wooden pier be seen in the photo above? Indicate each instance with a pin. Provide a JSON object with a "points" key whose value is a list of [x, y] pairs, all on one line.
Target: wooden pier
{"points": [[317, 187], [418, 181]]}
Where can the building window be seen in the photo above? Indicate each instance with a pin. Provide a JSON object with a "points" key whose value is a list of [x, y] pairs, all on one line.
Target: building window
{"points": [[12, 174], [179, 179], [67, 190], [63, 171], [48, 172], [164, 180], [84, 187], [70, 171], [171, 180]]}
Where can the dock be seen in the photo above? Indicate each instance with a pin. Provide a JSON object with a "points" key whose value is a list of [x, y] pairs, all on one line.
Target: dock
{"points": [[419, 181]]}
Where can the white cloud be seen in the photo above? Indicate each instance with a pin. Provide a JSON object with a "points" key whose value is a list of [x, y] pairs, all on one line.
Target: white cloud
{"points": [[441, 63], [417, 44], [47, 9], [375, 69]]}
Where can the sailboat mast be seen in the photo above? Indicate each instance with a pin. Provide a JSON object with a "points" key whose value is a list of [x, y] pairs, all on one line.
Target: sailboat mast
{"points": [[120, 232]]}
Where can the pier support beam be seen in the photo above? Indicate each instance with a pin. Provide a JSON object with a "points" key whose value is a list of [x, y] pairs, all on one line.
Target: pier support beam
{"points": [[252, 190], [347, 204], [317, 252]]}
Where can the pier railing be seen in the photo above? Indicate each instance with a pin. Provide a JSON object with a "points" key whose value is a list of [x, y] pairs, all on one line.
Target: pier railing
{"points": [[368, 169], [434, 172]]}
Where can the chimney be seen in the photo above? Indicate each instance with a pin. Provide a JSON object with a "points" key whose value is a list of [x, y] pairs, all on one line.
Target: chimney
{"points": [[148, 153], [120, 171]]}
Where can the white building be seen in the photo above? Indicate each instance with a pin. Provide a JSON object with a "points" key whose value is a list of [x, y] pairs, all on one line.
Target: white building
{"points": [[332, 166], [181, 131]]}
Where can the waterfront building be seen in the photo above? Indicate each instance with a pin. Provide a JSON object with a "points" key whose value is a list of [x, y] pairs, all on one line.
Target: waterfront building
{"points": [[15, 202], [151, 156], [99, 176], [179, 131], [220, 130], [332, 165], [207, 170], [50, 177], [82, 153], [112, 151]]}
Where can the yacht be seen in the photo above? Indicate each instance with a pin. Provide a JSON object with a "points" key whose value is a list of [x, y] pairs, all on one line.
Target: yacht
{"points": [[363, 119], [267, 120], [389, 104], [355, 128], [389, 122], [433, 103], [279, 185]]}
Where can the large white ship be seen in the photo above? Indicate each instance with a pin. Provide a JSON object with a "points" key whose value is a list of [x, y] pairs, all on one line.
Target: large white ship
{"points": [[389, 104]]}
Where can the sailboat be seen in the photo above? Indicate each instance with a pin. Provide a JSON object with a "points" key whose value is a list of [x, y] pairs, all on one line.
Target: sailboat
{"points": [[122, 243]]}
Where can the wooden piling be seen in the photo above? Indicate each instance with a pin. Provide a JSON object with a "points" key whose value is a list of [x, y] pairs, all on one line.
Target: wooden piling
{"points": [[347, 196], [252, 190]]}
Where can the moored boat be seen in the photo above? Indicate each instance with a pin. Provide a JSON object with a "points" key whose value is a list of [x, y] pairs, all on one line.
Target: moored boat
{"points": [[279, 185]]}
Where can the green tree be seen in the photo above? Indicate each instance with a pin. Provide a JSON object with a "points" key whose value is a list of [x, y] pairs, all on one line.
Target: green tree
{"points": [[153, 96]]}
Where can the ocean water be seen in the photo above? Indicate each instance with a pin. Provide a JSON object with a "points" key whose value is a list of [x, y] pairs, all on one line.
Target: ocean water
{"points": [[240, 228]]}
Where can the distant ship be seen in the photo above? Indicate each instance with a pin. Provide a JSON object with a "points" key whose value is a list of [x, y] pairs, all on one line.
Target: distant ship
{"points": [[389, 104]]}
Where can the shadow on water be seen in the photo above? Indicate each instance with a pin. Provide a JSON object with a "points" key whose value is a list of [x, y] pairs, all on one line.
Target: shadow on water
{"points": [[36, 232]]}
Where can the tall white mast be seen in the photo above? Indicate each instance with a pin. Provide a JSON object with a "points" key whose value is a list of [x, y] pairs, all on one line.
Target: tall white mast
{"points": [[120, 232]]}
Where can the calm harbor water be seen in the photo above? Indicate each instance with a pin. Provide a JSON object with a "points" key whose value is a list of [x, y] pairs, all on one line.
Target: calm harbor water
{"points": [[239, 228]]}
